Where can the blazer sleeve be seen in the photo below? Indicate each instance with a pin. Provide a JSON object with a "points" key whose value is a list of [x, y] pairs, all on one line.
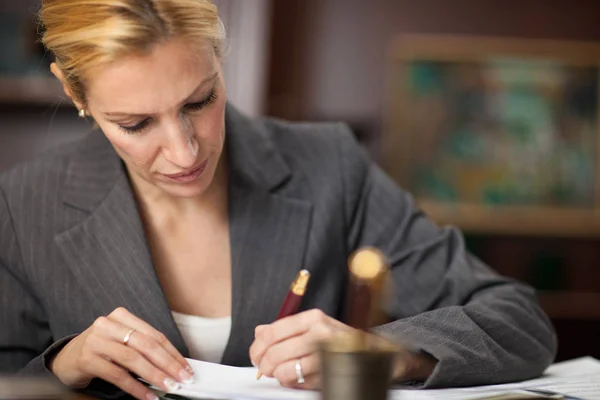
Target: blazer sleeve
{"points": [[481, 327]]}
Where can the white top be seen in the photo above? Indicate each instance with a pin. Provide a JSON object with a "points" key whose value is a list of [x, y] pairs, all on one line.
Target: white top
{"points": [[205, 338]]}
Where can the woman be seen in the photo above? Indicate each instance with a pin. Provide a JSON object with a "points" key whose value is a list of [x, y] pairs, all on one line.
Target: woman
{"points": [[177, 229]]}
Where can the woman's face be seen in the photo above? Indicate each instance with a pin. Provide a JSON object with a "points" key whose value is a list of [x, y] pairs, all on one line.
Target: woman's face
{"points": [[164, 114]]}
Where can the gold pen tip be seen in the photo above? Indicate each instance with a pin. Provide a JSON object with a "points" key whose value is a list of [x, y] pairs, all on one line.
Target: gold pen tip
{"points": [[300, 283], [258, 375]]}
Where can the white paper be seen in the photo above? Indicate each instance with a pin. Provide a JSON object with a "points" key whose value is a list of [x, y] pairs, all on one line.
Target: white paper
{"points": [[219, 381], [580, 377]]}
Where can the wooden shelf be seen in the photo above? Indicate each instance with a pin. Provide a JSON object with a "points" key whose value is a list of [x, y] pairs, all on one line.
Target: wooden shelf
{"points": [[31, 91], [516, 220], [571, 305]]}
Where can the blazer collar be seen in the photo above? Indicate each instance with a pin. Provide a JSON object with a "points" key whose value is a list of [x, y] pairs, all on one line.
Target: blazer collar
{"points": [[254, 162]]}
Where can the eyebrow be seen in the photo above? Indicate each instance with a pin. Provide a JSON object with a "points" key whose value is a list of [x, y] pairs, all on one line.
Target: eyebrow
{"points": [[122, 114]]}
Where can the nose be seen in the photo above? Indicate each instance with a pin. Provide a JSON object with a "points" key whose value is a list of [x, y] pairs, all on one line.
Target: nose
{"points": [[181, 147]]}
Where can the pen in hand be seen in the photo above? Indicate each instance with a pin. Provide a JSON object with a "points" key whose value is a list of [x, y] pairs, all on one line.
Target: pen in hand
{"points": [[292, 301]]}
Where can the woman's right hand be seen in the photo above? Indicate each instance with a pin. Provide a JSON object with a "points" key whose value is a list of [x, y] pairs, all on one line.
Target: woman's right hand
{"points": [[100, 352]]}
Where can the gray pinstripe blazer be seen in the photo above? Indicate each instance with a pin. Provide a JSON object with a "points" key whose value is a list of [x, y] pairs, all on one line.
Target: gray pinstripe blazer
{"points": [[72, 248]]}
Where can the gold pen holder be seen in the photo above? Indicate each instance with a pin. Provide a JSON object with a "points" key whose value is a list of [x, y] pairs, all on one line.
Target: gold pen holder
{"points": [[356, 367]]}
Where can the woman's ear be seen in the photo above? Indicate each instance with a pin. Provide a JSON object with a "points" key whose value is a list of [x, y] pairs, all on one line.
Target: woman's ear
{"points": [[57, 72]]}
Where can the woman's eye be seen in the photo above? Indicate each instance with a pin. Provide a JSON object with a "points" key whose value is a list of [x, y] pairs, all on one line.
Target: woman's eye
{"points": [[135, 128], [191, 107], [202, 104]]}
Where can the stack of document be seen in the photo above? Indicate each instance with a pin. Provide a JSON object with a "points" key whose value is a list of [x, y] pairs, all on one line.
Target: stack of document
{"points": [[575, 379]]}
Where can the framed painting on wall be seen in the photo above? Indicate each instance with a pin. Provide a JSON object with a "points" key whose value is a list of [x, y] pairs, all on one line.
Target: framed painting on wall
{"points": [[497, 135]]}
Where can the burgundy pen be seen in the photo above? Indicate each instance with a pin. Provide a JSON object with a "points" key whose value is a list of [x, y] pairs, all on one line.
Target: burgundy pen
{"points": [[293, 299]]}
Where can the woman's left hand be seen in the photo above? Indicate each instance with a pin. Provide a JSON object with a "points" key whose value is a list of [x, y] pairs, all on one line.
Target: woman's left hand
{"points": [[279, 346]]}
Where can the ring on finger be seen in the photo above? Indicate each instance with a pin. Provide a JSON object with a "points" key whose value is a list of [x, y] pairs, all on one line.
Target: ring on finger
{"points": [[128, 336], [299, 374]]}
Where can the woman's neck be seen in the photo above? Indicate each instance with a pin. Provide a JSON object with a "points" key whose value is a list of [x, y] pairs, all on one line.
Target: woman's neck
{"points": [[212, 201]]}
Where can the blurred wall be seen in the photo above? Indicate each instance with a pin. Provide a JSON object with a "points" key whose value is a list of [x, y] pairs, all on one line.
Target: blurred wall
{"points": [[329, 57], [351, 39], [28, 124], [245, 63]]}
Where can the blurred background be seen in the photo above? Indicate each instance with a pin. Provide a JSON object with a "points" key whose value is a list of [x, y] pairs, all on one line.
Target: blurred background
{"points": [[486, 110]]}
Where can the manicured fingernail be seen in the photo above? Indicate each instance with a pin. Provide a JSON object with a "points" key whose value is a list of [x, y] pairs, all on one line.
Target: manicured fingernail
{"points": [[189, 369], [186, 377], [170, 384], [151, 396]]}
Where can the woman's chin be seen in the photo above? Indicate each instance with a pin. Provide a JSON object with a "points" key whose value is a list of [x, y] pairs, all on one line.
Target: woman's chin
{"points": [[187, 190]]}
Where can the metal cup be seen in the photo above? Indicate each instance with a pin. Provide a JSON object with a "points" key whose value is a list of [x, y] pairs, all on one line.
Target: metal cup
{"points": [[355, 372]]}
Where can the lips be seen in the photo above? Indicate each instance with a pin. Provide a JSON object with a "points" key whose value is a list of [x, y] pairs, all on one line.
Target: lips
{"points": [[189, 174]]}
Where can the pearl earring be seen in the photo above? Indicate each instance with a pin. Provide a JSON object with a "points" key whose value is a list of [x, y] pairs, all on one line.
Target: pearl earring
{"points": [[82, 113]]}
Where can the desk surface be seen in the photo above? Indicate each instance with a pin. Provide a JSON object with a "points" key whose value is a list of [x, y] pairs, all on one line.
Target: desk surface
{"points": [[20, 387], [15, 387]]}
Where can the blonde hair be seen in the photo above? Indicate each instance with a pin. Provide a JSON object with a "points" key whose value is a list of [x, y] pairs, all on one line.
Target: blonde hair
{"points": [[84, 34]]}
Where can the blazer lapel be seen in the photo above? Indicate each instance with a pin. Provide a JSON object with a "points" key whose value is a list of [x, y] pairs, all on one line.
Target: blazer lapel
{"points": [[107, 251], [268, 232], [268, 237]]}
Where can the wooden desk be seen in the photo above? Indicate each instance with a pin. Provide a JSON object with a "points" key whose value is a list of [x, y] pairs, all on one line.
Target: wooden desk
{"points": [[15, 387], [18, 387], [79, 396]]}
